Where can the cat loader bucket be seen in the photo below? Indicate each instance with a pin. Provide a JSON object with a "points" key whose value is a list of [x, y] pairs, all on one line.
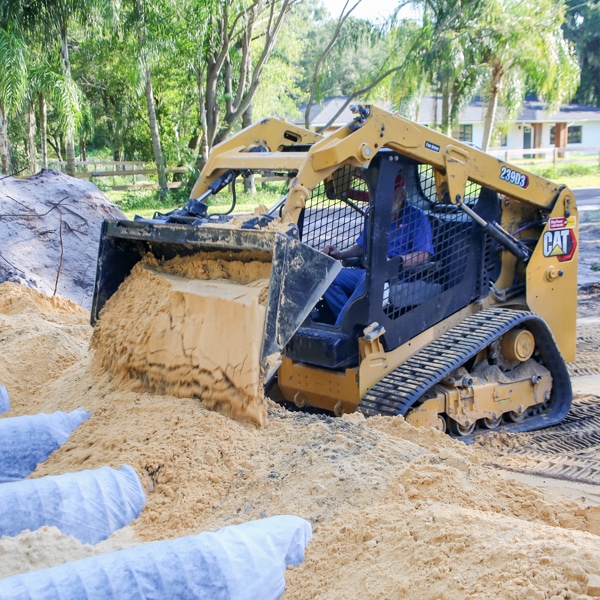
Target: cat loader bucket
{"points": [[298, 274]]}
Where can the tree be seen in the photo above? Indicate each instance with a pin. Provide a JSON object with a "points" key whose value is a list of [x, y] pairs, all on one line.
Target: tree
{"points": [[582, 28], [229, 43], [448, 55], [13, 54], [350, 57], [52, 20], [347, 10], [524, 49], [144, 51]]}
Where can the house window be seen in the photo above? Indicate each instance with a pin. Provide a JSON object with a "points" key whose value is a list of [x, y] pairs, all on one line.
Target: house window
{"points": [[574, 134], [464, 133]]}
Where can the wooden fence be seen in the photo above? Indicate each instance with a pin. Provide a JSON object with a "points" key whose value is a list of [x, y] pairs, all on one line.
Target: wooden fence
{"points": [[122, 175], [549, 156], [130, 175]]}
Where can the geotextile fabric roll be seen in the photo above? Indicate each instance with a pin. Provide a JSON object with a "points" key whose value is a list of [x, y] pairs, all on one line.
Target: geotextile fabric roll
{"points": [[4, 401], [28, 440], [88, 505], [240, 562]]}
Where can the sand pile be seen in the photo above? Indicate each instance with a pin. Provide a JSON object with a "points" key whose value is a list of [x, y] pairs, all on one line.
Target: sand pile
{"points": [[397, 512], [190, 327]]}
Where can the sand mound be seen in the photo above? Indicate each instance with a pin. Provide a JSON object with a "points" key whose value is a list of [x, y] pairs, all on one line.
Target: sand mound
{"points": [[397, 512], [192, 328]]}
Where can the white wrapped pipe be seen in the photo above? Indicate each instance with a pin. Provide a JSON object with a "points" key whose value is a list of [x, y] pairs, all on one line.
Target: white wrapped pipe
{"points": [[88, 505], [30, 439], [241, 562], [4, 401]]}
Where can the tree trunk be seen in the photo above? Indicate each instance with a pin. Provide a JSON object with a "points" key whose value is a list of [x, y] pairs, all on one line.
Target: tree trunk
{"points": [[249, 184], [152, 120], [321, 59], [69, 135], [4, 157], [33, 167], [446, 108], [44, 131], [203, 138], [158, 158], [490, 115], [70, 154]]}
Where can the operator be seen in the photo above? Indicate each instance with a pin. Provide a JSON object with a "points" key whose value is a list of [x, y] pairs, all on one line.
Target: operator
{"points": [[411, 239]]}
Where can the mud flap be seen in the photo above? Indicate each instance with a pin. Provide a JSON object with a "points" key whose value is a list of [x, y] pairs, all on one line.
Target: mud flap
{"points": [[299, 273]]}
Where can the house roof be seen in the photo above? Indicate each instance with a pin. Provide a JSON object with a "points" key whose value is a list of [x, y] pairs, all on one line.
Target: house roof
{"points": [[534, 111], [321, 114]]}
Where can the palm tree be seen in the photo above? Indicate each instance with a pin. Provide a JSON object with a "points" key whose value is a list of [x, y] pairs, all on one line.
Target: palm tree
{"points": [[13, 53], [52, 20], [43, 83]]}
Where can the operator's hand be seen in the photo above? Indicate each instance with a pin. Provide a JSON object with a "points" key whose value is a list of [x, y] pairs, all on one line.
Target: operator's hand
{"points": [[332, 251]]}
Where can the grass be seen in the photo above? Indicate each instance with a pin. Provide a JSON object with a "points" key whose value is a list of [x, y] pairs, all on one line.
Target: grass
{"points": [[145, 203], [573, 175]]}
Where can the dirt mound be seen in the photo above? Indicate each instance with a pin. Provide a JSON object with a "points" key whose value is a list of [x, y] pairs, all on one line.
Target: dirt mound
{"points": [[50, 228]]}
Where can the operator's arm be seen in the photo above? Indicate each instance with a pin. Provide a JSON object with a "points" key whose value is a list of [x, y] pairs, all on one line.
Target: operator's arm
{"points": [[412, 259], [354, 250], [416, 247]]}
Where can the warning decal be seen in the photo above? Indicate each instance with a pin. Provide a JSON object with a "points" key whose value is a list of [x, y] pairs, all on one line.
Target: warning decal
{"points": [[560, 243], [562, 222]]}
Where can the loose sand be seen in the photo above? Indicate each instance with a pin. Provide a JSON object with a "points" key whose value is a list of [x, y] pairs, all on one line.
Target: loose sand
{"points": [[397, 512], [189, 327]]}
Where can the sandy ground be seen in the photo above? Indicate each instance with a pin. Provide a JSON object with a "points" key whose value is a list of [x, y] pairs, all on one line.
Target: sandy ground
{"points": [[397, 512]]}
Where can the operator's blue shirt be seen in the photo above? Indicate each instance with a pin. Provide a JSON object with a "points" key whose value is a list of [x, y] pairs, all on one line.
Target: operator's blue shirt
{"points": [[409, 232]]}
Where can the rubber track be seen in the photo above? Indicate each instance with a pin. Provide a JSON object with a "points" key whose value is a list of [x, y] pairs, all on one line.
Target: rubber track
{"points": [[401, 389]]}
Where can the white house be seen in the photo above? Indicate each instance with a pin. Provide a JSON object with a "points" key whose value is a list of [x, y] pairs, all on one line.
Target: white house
{"points": [[573, 126]]}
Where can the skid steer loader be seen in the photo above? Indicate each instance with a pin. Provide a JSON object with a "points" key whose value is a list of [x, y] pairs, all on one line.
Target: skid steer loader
{"points": [[473, 336]]}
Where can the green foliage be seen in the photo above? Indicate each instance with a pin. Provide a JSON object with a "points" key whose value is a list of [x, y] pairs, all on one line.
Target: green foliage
{"points": [[573, 174], [13, 58], [146, 203], [566, 170], [448, 52], [137, 200], [583, 29]]}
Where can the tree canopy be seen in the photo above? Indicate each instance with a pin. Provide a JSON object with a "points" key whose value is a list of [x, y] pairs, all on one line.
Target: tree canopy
{"points": [[164, 81]]}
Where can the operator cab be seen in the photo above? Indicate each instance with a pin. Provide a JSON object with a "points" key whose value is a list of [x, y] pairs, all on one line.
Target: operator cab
{"points": [[455, 267]]}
